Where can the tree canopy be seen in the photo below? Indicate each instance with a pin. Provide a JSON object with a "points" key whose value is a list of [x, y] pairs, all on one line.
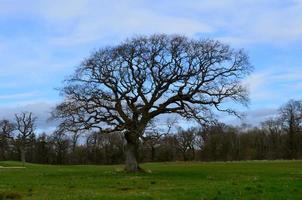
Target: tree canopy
{"points": [[122, 88]]}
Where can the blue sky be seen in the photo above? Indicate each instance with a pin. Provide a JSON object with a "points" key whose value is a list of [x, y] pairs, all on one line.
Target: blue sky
{"points": [[42, 41]]}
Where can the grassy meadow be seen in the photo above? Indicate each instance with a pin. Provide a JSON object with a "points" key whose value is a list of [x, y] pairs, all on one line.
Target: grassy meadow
{"points": [[177, 180]]}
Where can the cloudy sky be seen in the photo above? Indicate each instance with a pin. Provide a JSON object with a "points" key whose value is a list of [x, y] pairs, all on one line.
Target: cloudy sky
{"points": [[42, 41]]}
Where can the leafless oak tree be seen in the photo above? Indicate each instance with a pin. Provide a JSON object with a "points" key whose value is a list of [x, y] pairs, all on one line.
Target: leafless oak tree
{"points": [[122, 88], [25, 125]]}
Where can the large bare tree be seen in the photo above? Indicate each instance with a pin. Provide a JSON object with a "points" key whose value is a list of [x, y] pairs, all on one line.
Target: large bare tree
{"points": [[122, 88]]}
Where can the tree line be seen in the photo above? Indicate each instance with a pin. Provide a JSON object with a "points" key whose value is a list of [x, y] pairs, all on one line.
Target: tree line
{"points": [[275, 138]]}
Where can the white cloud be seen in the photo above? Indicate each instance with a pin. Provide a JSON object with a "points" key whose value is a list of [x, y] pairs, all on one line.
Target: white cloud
{"points": [[253, 116], [275, 83], [248, 21], [62, 11], [40, 109], [97, 21], [18, 95]]}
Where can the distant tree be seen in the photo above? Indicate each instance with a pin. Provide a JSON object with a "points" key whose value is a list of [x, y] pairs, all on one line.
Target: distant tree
{"points": [[187, 142], [168, 148], [25, 125], [154, 132], [273, 129], [60, 144], [291, 120], [107, 148], [112, 146], [92, 145], [75, 136], [73, 131], [123, 88], [6, 131], [42, 149]]}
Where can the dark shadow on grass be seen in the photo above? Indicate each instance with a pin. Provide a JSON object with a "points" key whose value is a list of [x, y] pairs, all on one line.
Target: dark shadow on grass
{"points": [[9, 195]]}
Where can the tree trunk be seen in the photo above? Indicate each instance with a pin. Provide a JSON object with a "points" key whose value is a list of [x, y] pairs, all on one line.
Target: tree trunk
{"points": [[23, 159], [2, 155], [193, 153], [152, 153], [184, 155], [131, 153]]}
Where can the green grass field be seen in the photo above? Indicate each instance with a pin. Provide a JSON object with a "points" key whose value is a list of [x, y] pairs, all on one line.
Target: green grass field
{"points": [[237, 180]]}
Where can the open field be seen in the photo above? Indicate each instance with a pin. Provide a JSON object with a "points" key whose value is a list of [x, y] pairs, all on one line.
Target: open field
{"points": [[237, 180]]}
